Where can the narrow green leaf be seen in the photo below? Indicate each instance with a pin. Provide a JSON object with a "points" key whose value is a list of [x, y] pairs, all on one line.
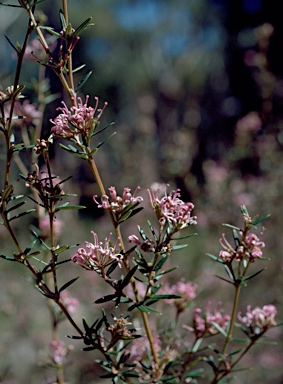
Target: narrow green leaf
{"points": [[161, 262], [50, 30], [68, 284], [232, 226], [180, 246], [259, 220], [79, 68], [128, 277], [106, 298], [215, 258], [222, 278], [8, 258], [22, 214], [254, 274], [86, 24], [69, 207], [104, 141], [83, 81], [62, 19], [16, 206], [9, 41], [61, 249]]}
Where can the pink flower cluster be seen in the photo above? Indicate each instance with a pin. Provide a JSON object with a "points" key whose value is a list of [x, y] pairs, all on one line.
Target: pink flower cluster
{"points": [[79, 119], [185, 289], [259, 319], [203, 323], [250, 248], [70, 302], [97, 255], [118, 203], [58, 351], [170, 208]]}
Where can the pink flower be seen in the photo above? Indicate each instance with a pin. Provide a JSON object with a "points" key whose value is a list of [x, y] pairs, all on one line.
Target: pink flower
{"points": [[70, 302], [79, 119], [259, 319], [118, 204], [203, 323], [58, 351], [185, 289], [97, 255], [250, 248], [44, 226], [254, 246], [172, 209]]}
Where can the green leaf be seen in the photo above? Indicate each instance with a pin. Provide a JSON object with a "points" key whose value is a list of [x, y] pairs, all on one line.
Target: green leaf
{"points": [[259, 220], [68, 284], [51, 31], [22, 214], [62, 19], [232, 226], [222, 278], [66, 207], [8, 258], [79, 68], [195, 373], [180, 246], [16, 206], [147, 309], [254, 274], [104, 141], [160, 263], [215, 258], [83, 81], [219, 329], [9, 41], [128, 277], [61, 249], [84, 25], [40, 240], [106, 298]]}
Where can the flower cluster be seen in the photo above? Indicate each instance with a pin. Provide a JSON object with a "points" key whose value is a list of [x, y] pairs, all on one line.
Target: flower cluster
{"points": [[185, 289], [79, 119], [204, 324], [97, 255], [258, 320], [250, 248], [59, 351], [119, 204], [171, 209], [69, 302]]}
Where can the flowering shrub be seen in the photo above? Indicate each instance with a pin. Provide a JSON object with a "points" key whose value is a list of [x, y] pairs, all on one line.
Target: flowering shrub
{"points": [[204, 348]]}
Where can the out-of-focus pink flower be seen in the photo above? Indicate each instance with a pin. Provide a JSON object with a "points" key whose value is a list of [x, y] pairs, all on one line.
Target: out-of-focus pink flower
{"points": [[118, 203], [79, 119], [203, 322], [185, 289], [259, 319], [97, 255], [28, 113], [70, 302], [44, 226], [172, 209], [251, 123], [58, 351]]}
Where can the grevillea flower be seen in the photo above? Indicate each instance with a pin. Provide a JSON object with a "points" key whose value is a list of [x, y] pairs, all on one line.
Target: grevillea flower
{"points": [[170, 208], [79, 119], [97, 255], [59, 351], [250, 248], [258, 320], [118, 204], [185, 289], [70, 302], [203, 323]]}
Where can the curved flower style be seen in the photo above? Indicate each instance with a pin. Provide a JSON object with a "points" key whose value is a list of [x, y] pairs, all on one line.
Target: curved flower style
{"points": [[203, 325], [259, 319], [79, 119], [118, 204], [97, 256], [172, 209], [250, 248]]}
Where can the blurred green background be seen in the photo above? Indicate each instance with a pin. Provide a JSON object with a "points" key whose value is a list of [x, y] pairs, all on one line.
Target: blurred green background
{"points": [[195, 90]]}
